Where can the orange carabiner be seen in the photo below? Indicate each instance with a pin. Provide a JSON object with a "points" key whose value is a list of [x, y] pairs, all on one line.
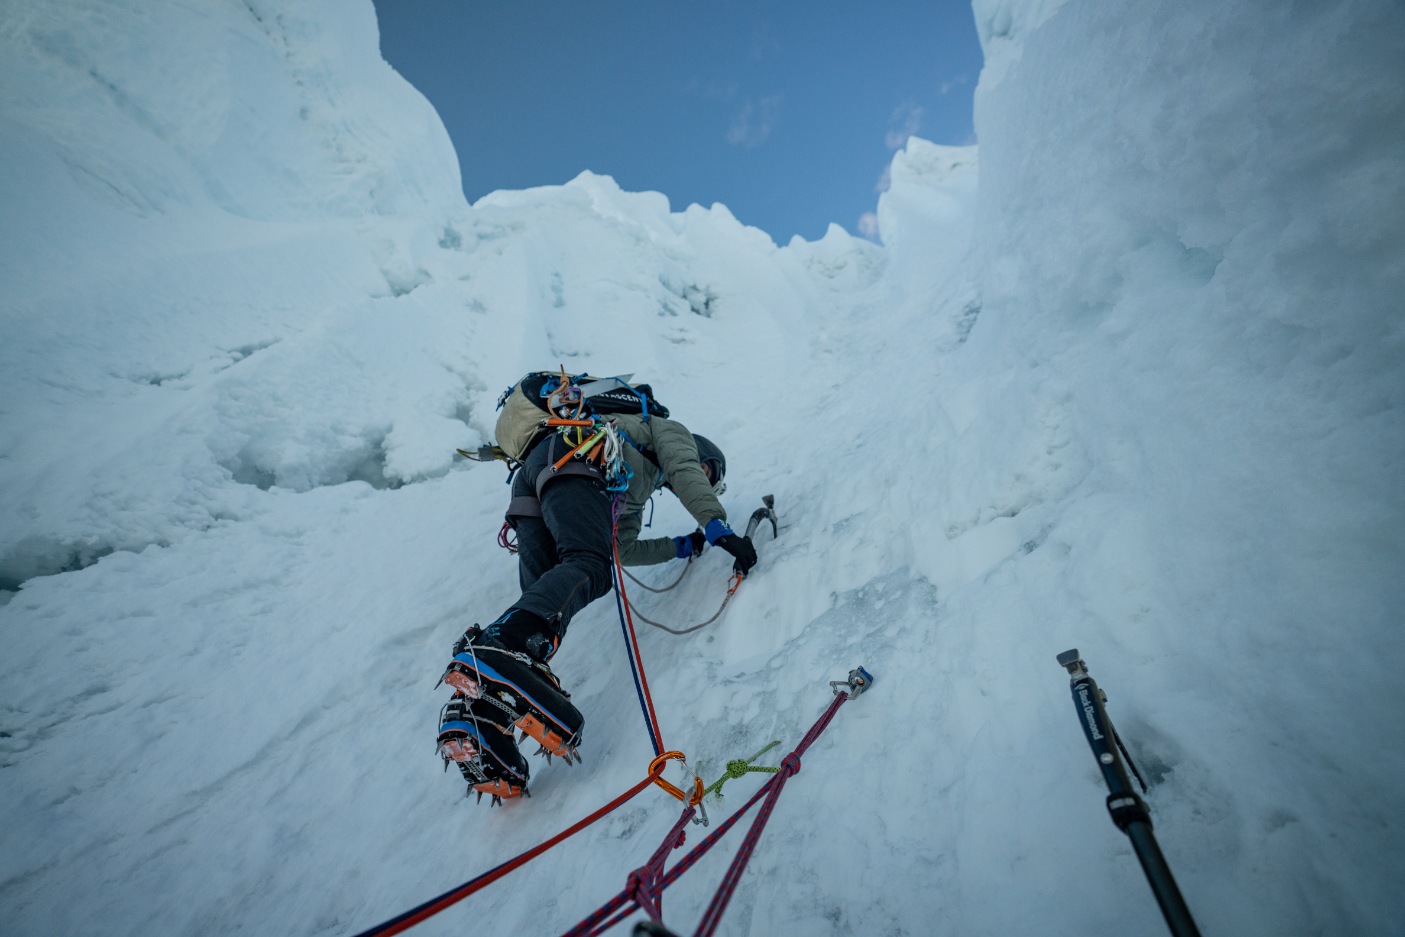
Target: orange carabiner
{"points": [[656, 771]]}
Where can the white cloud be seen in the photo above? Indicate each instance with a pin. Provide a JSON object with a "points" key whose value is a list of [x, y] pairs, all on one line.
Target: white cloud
{"points": [[868, 225], [906, 121], [754, 122], [951, 84]]}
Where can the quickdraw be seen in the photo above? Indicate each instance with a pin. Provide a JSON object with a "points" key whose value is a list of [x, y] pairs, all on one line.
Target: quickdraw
{"points": [[693, 799]]}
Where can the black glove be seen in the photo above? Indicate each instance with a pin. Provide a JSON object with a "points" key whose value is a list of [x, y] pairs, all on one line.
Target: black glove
{"points": [[741, 548], [691, 545]]}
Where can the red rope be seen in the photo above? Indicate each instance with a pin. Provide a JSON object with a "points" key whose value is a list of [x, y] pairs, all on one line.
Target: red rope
{"points": [[646, 885], [790, 765], [637, 662], [644, 889], [430, 908]]}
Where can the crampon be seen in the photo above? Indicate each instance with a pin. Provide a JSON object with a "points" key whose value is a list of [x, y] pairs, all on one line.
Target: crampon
{"points": [[476, 735], [525, 691]]}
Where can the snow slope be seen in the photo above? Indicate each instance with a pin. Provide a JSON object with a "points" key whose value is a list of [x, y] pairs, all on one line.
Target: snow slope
{"points": [[1130, 382]]}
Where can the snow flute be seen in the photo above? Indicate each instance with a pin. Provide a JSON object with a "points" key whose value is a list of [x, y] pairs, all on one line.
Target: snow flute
{"points": [[1128, 809]]}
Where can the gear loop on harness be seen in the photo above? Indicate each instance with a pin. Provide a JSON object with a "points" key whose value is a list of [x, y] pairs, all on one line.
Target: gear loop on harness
{"points": [[596, 443]]}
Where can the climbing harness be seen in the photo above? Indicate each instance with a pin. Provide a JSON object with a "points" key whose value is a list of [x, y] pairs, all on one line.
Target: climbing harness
{"points": [[597, 444], [587, 448]]}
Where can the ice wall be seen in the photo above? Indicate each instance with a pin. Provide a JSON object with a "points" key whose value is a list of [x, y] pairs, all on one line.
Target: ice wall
{"points": [[1189, 217], [1131, 381]]}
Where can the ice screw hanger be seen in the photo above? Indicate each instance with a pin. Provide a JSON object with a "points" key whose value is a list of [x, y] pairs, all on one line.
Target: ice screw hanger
{"points": [[859, 680]]}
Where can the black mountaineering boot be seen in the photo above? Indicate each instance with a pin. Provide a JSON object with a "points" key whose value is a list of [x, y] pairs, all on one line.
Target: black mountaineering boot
{"points": [[485, 667], [477, 735]]}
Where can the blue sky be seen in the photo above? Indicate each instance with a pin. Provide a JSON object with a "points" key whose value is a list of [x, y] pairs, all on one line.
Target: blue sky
{"points": [[786, 112]]}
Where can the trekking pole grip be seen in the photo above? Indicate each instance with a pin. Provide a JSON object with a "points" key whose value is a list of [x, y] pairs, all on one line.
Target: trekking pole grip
{"points": [[1126, 807]]}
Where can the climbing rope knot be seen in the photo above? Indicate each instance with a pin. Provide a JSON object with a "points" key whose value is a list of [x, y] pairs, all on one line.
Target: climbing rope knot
{"points": [[656, 772], [641, 883], [642, 888], [740, 767], [790, 764]]}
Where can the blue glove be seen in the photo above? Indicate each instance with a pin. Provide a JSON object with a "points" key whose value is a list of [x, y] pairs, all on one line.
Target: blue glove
{"points": [[716, 529], [741, 548], [691, 545]]}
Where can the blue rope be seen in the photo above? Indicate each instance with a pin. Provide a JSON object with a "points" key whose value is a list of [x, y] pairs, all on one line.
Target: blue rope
{"points": [[654, 733]]}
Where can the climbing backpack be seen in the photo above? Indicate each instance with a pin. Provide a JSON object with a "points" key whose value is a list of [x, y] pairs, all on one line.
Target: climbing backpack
{"points": [[524, 408]]}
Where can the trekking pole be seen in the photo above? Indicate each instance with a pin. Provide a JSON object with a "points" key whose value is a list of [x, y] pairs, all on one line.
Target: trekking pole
{"points": [[1129, 811]]}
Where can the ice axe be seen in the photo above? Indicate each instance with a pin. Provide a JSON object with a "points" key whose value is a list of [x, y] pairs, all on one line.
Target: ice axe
{"points": [[765, 513]]}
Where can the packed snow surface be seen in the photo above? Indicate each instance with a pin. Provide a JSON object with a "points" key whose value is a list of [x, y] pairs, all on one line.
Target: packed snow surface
{"points": [[1131, 382]]}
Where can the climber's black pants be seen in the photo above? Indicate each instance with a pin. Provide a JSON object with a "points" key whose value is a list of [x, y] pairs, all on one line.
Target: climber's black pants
{"points": [[564, 534]]}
